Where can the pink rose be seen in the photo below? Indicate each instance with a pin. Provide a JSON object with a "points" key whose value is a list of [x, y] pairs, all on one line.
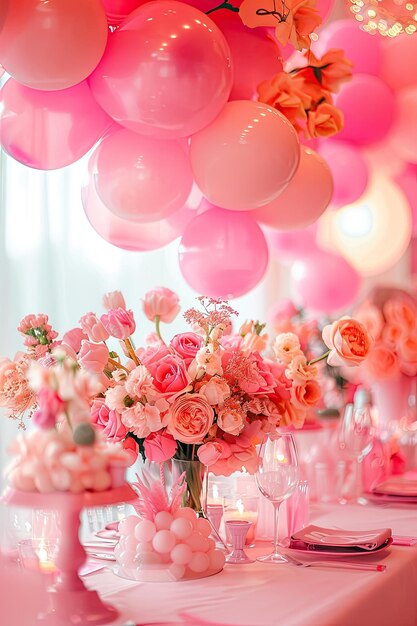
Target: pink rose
{"points": [[392, 334], [191, 417], [401, 313], [161, 303], [114, 300], [131, 447], [186, 346], [50, 406], [307, 395], [170, 375], [408, 355], [109, 421], [348, 340], [73, 338], [119, 323], [152, 355], [299, 371], [382, 362], [231, 419], [160, 446], [371, 317], [93, 356], [92, 326], [209, 453], [216, 391]]}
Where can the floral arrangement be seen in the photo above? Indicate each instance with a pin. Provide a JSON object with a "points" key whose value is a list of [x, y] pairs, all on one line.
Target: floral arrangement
{"points": [[205, 395], [390, 316], [64, 452]]}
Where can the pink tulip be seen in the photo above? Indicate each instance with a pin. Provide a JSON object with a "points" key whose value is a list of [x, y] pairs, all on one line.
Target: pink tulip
{"points": [[162, 303], [93, 327], [73, 338], [114, 300], [93, 356], [119, 323]]}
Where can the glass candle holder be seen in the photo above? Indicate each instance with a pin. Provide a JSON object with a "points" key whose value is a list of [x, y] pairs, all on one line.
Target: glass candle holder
{"points": [[244, 508], [237, 530]]}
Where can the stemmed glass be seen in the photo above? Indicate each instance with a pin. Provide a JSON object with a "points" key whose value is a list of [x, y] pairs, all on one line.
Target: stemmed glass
{"points": [[277, 478], [356, 434]]}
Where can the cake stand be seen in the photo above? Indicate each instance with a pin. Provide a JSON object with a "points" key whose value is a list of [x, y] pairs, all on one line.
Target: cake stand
{"points": [[70, 602]]}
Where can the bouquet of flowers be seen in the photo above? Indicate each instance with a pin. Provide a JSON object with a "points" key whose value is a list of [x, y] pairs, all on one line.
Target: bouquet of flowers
{"points": [[205, 395]]}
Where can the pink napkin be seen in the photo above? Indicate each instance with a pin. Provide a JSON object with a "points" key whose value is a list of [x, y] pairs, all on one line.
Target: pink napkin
{"points": [[396, 486], [327, 539]]}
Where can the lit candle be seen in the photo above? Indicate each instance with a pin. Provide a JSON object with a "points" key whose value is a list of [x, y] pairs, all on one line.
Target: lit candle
{"points": [[245, 509], [45, 564], [214, 496]]}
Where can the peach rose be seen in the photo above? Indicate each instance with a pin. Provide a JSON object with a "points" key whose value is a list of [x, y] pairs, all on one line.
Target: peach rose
{"points": [[191, 417], [216, 391], [286, 346], [401, 314], [408, 355], [392, 334], [209, 453], [348, 341], [231, 419], [325, 121], [382, 362], [371, 317], [299, 371], [307, 395], [161, 303]]}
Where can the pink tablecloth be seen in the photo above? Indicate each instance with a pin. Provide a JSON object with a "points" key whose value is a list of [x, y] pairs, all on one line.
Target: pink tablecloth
{"points": [[269, 595]]}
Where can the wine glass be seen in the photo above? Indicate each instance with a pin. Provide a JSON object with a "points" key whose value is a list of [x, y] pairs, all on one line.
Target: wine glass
{"points": [[355, 435], [277, 478]]}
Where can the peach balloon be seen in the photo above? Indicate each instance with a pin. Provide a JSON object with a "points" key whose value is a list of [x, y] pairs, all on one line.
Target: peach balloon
{"points": [[404, 131], [246, 157], [223, 254], [52, 45], [140, 178], [306, 197], [50, 129], [166, 71]]}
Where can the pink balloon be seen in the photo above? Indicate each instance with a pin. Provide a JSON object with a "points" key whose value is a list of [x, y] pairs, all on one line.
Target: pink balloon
{"points": [[368, 106], [129, 235], [246, 157], [142, 179], [398, 71], [290, 246], [47, 130], [348, 168], [223, 254], [166, 71], [324, 7], [325, 282], [4, 8], [364, 51], [404, 130], [306, 197], [52, 45], [255, 55], [407, 180], [117, 10]]}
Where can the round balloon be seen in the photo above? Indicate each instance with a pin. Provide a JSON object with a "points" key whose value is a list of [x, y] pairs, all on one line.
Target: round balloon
{"points": [[324, 7], [364, 51], [404, 131], [348, 168], [52, 45], [255, 55], [368, 105], [288, 246], [396, 71], [50, 129], [306, 197], [130, 235], [166, 71], [325, 282], [117, 10], [407, 180], [246, 157], [223, 254], [140, 178]]}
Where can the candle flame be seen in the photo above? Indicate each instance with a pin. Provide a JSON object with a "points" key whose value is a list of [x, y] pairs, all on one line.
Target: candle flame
{"points": [[215, 491], [240, 506]]}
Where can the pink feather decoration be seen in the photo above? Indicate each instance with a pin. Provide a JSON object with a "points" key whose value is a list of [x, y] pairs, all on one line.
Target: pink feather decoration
{"points": [[152, 497]]}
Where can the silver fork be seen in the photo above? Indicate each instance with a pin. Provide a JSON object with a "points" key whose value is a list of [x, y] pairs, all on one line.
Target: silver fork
{"points": [[370, 567]]}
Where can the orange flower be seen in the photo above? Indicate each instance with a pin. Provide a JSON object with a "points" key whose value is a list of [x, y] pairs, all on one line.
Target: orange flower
{"points": [[325, 121], [294, 20], [285, 93], [330, 71]]}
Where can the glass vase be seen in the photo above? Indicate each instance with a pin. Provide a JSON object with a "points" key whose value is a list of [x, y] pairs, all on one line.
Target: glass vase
{"points": [[195, 495]]}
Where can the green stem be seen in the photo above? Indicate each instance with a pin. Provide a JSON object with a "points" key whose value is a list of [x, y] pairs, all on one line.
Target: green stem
{"points": [[224, 5], [157, 327], [319, 358]]}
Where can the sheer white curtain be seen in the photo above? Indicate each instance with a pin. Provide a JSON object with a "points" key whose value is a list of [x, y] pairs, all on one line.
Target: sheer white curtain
{"points": [[52, 261]]}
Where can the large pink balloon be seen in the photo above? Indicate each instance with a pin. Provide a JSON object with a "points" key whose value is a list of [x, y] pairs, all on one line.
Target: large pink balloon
{"points": [[289, 246], [348, 168], [306, 197], [407, 180], [140, 178], [129, 235], [325, 282], [55, 44], [50, 129], [166, 71], [324, 7], [398, 67], [255, 55], [246, 157], [368, 105], [223, 254], [117, 10], [404, 131], [364, 51]]}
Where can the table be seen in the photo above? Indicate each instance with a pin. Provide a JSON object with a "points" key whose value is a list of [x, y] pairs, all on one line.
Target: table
{"points": [[261, 594]]}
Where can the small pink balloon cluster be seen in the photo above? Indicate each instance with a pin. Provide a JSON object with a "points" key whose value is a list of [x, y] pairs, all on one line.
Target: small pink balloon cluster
{"points": [[178, 543]]}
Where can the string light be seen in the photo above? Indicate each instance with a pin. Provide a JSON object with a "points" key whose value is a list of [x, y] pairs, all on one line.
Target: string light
{"points": [[389, 18]]}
